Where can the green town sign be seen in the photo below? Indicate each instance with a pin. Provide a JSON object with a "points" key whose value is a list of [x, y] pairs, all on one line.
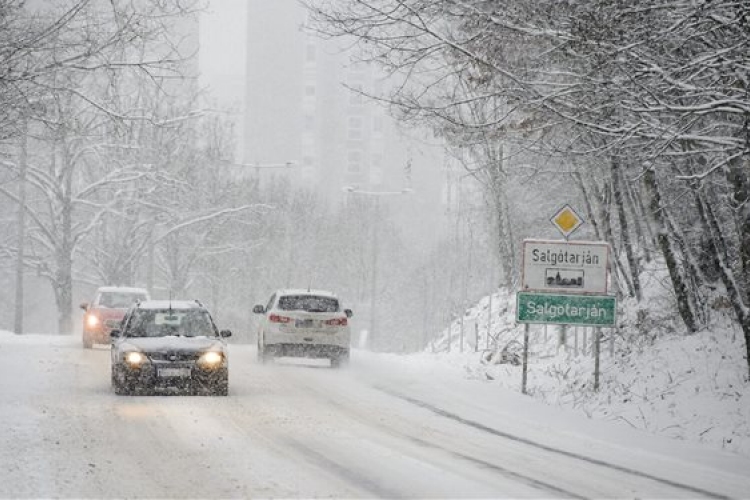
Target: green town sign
{"points": [[582, 310]]}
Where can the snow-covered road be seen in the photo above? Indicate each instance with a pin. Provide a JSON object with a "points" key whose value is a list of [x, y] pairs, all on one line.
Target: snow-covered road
{"points": [[385, 427]]}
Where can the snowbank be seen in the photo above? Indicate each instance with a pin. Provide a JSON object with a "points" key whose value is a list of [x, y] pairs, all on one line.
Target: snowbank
{"points": [[654, 377]]}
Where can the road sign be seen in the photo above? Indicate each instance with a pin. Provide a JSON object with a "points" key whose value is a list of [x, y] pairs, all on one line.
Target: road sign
{"points": [[566, 220], [557, 309], [579, 267]]}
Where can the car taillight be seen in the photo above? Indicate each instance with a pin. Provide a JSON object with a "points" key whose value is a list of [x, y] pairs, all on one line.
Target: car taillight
{"points": [[336, 322], [275, 318]]}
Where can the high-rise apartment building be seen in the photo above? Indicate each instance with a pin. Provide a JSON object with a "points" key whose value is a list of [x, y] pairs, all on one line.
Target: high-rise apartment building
{"points": [[303, 106]]}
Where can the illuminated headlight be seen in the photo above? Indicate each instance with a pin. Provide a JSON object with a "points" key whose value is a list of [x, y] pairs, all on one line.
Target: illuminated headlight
{"points": [[135, 359], [92, 320], [211, 359]]}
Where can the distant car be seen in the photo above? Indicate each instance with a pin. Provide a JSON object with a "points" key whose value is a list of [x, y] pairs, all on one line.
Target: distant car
{"points": [[304, 323], [169, 345], [106, 311]]}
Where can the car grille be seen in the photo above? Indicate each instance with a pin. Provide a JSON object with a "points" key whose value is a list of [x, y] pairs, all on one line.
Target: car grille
{"points": [[112, 323], [174, 356]]}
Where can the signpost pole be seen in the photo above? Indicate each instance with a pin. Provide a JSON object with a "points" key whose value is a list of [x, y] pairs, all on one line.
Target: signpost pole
{"points": [[597, 341], [525, 357], [476, 336]]}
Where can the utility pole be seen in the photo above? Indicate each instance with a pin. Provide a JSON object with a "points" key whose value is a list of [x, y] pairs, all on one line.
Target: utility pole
{"points": [[374, 281], [22, 165]]}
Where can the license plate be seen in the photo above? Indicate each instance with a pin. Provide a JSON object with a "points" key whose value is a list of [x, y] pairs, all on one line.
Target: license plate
{"points": [[174, 372], [304, 323]]}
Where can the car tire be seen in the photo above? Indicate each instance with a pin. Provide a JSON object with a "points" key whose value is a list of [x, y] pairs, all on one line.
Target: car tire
{"points": [[341, 360], [222, 388], [262, 354], [120, 389]]}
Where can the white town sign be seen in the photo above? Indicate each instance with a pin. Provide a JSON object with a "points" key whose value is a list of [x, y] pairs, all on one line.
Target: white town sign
{"points": [[569, 267]]}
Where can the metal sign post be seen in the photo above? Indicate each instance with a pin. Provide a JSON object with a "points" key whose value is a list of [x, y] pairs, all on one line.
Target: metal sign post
{"points": [[525, 357], [597, 350], [565, 283]]}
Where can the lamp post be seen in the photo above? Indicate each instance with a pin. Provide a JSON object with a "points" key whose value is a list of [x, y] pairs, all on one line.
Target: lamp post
{"points": [[376, 195]]}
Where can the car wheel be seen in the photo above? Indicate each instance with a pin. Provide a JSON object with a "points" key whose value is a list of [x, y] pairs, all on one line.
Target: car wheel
{"points": [[87, 342], [222, 388], [120, 389], [341, 360]]}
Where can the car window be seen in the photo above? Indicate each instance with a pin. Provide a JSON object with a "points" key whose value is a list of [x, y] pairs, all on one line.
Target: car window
{"points": [[119, 300], [309, 303], [165, 322]]}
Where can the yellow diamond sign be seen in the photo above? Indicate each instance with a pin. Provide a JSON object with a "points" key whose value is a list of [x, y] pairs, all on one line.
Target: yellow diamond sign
{"points": [[566, 220]]}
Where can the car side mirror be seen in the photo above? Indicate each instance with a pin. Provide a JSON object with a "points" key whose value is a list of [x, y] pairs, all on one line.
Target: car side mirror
{"points": [[259, 309], [115, 333], [84, 305], [225, 333], [348, 313]]}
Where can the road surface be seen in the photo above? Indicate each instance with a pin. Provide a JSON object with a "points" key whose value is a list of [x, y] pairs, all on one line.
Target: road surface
{"points": [[382, 428]]}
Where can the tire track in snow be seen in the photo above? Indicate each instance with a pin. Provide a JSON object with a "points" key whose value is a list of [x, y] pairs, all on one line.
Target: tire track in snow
{"points": [[541, 446], [348, 475], [335, 402]]}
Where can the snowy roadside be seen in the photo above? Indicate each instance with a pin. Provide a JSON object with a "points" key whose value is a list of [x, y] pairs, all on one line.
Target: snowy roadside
{"points": [[685, 387]]}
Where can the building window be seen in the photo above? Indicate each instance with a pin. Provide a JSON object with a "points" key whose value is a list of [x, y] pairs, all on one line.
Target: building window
{"points": [[309, 123], [354, 162], [355, 95], [310, 52], [355, 128], [309, 90], [377, 124]]}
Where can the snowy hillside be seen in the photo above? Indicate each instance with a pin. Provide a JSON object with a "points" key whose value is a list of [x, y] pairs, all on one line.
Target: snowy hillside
{"points": [[654, 378]]}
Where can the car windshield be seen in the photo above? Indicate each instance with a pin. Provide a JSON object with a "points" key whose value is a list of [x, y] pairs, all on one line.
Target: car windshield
{"points": [[309, 303], [119, 300], [166, 322]]}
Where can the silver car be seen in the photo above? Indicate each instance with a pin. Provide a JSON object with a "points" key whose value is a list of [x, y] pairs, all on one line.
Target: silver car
{"points": [[169, 345], [304, 323]]}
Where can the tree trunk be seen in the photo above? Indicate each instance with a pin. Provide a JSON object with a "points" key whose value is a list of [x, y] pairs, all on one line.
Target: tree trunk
{"points": [[638, 219], [737, 175], [590, 213], [65, 249], [678, 283], [692, 273], [605, 208], [618, 187], [708, 219]]}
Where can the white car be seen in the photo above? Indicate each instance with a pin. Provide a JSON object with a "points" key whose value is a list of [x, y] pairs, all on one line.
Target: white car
{"points": [[304, 323]]}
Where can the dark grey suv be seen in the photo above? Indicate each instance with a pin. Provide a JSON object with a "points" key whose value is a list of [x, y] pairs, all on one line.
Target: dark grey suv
{"points": [[169, 346]]}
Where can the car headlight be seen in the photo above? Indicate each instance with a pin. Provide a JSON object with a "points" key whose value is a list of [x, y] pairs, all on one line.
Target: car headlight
{"points": [[135, 359], [211, 359], [92, 320]]}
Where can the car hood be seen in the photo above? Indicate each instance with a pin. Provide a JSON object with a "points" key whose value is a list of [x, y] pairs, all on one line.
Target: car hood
{"points": [[170, 344]]}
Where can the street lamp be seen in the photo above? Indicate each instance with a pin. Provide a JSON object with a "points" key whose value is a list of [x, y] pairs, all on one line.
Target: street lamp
{"points": [[258, 166], [376, 195]]}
